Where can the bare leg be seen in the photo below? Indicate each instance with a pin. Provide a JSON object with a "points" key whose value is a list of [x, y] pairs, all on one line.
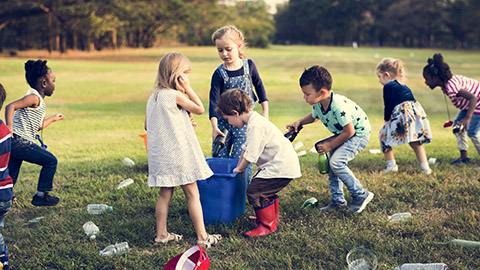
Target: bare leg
{"points": [[161, 211], [419, 151], [195, 210], [389, 155]]}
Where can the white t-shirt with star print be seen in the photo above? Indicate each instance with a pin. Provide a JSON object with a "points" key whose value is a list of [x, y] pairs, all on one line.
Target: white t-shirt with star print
{"points": [[340, 112]]}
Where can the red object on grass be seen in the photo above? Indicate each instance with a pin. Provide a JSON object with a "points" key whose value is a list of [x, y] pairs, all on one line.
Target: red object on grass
{"points": [[195, 258]]}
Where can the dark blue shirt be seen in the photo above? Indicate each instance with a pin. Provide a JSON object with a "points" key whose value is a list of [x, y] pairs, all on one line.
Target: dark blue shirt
{"points": [[217, 86], [395, 93]]}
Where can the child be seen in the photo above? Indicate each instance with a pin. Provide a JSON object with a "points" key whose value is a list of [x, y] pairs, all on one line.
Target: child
{"points": [[405, 119], [174, 154], [465, 95], [266, 146], [24, 118], [235, 72], [6, 183], [351, 129]]}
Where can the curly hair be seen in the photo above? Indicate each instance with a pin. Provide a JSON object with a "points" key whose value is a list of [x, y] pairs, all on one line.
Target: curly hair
{"points": [[318, 76], [437, 68], [35, 70], [233, 99]]}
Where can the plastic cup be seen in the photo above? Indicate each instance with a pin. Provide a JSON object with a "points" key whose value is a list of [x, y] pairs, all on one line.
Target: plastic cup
{"points": [[361, 258]]}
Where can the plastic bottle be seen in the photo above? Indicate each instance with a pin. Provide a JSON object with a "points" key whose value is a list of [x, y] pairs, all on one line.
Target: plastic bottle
{"points": [[219, 142], [117, 249], [98, 209], [292, 134], [323, 163], [128, 162], [125, 183], [91, 230], [37, 219], [399, 217], [418, 266]]}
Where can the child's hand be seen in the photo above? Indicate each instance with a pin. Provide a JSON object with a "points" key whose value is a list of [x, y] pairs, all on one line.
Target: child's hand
{"points": [[183, 83], [58, 116], [293, 125], [237, 170], [323, 148], [216, 132]]}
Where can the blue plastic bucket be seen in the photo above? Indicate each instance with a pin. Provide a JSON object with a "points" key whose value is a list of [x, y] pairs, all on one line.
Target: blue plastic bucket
{"points": [[223, 195]]}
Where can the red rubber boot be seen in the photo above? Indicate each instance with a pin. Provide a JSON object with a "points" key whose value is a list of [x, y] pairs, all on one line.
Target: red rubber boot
{"points": [[266, 221], [277, 210]]}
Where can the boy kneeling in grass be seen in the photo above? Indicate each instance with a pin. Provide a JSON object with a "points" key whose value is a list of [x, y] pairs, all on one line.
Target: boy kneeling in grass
{"points": [[265, 146], [351, 129]]}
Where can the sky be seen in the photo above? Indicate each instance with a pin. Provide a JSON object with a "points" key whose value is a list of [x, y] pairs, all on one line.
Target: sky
{"points": [[273, 3]]}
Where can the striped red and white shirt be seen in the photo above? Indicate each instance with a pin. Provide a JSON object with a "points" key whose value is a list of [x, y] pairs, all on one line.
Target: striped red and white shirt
{"points": [[6, 183], [459, 82]]}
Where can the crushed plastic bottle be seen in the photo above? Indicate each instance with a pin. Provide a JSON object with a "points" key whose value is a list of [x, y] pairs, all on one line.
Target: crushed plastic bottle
{"points": [[35, 220], [128, 162], [98, 209], [421, 266], [399, 217], [117, 249], [125, 183], [91, 230]]}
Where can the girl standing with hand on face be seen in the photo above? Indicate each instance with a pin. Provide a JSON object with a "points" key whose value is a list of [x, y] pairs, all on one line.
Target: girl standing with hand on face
{"points": [[405, 119], [24, 118], [174, 154]]}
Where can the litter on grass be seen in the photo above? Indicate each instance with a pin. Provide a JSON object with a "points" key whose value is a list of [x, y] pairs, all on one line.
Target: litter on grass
{"points": [[128, 162], [35, 220], [302, 153], [297, 145]]}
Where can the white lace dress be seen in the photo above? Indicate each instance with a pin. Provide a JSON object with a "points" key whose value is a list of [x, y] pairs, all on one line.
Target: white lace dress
{"points": [[174, 154]]}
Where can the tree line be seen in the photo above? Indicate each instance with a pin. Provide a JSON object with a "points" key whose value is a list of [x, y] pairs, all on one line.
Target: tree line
{"points": [[61, 25], [400, 23]]}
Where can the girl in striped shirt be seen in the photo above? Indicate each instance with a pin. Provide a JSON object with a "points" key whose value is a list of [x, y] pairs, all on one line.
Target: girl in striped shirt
{"points": [[465, 95], [24, 118]]}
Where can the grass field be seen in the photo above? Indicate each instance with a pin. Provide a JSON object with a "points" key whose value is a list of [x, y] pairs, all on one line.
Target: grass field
{"points": [[103, 97]]}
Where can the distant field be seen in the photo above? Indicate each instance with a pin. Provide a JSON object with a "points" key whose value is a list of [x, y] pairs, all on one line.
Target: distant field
{"points": [[103, 96]]}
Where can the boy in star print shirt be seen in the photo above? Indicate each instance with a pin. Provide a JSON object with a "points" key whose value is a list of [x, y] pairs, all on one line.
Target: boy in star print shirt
{"points": [[351, 129]]}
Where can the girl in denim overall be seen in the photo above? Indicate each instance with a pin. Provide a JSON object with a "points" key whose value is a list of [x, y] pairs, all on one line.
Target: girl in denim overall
{"points": [[234, 72]]}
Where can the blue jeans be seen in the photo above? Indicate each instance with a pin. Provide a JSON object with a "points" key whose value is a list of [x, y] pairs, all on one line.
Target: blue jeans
{"points": [[472, 131], [26, 150], [4, 208], [340, 174]]}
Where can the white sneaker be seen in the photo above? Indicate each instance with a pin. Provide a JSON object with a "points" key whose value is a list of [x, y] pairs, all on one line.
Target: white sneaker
{"points": [[389, 169]]}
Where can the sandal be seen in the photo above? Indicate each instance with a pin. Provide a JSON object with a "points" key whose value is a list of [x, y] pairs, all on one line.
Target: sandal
{"points": [[212, 240], [176, 238]]}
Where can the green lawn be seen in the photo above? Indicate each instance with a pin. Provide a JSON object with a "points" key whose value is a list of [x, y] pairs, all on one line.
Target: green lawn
{"points": [[103, 96]]}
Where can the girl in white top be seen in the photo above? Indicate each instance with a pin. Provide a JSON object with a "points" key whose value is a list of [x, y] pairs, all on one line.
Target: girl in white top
{"points": [[174, 154]]}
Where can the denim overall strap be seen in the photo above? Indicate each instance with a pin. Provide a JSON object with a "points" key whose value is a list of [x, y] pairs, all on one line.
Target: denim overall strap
{"points": [[243, 82]]}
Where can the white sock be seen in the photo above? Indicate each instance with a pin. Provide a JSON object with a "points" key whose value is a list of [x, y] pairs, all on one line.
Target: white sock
{"points": [[424, 166], [391, 162], [40, 193]]}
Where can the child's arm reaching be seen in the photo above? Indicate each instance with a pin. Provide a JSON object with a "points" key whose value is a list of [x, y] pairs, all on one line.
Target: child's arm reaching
{"points": [[27, 101], [193, 104], [301, 122], [472, 103], [348, 132], [52, 119], [241, 165]]}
